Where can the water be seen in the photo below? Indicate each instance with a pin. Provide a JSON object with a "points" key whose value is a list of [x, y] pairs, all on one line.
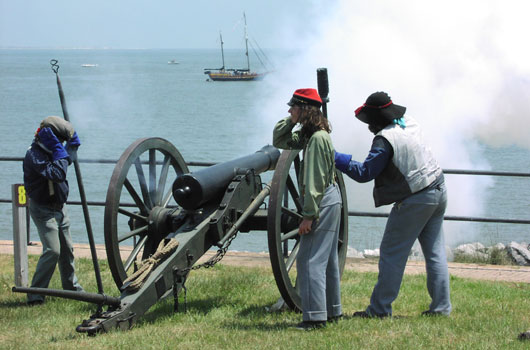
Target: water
{"points": [[134, 93]]}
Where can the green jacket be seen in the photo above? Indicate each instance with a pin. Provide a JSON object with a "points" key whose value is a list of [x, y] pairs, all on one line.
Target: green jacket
{"points": [[317, 170]]}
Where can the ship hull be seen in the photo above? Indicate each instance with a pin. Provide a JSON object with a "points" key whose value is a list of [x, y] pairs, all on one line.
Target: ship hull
{"points": [[234, 77]]}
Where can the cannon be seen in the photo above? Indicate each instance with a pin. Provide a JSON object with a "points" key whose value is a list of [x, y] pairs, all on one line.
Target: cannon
{"points": [[160, 219], [199, 210]]}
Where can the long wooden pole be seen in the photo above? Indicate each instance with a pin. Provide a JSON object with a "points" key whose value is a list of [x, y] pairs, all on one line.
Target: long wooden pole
{"points": [[55, 68]]}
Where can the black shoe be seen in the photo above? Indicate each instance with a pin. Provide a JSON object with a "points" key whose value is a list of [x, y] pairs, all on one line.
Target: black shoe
{"points": [[432, 313], [35, 302], [364, 314], [310, 325], [524, 336], [334, 319]]}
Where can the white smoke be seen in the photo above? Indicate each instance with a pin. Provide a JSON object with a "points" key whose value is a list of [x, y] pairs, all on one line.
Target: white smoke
{"points": [[461, 68]]}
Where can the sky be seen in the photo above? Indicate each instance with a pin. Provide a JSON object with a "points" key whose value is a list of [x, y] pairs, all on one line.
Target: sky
{"points": [[165, 24]]}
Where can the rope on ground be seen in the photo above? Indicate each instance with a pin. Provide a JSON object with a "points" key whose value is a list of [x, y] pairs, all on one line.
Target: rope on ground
{"points": [[135, 281]]}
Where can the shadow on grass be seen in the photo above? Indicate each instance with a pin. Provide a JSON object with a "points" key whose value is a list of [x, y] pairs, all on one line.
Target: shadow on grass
{"points": [[260, 326], [249, 319], [12, 304], [205, 306], [81, 306], [264, 309], [166, 308]]}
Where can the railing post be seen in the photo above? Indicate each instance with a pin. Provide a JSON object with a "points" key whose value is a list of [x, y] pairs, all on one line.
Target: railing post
{"points": [[20, 234]]}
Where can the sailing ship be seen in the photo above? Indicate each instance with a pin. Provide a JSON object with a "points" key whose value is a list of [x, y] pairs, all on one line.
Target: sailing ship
{"points": [[234, 74]]}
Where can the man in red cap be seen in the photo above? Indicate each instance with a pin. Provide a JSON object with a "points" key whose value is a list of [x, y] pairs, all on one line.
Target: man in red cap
{"points": [[317, 261], [407, 175]]}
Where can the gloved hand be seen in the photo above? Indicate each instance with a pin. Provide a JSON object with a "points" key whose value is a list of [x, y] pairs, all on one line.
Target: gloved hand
{"points": [[71, 147], [52, 143], [342, 161], [74, 141]]}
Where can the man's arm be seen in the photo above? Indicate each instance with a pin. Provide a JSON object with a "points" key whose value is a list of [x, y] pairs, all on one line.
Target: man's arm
{"points": [[284, 138], [54, 170], [380, 154]]}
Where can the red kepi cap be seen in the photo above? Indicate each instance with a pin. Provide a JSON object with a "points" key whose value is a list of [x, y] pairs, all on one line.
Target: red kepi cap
{"points": [[306, 97]]}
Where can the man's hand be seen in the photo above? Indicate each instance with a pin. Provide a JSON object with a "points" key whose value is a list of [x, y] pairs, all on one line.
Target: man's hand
{"points": [[74, 141], [342, 161], [305, 226], [48, 138], [295, 112], [52, 143]]}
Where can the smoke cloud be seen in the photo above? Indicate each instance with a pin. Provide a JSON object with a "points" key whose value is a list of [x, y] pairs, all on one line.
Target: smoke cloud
{"points": [[461, 68]]}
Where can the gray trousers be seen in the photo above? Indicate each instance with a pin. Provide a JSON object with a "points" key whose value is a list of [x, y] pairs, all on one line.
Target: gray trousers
{"points": [[318, 263], [53, 226], [420, 216]]}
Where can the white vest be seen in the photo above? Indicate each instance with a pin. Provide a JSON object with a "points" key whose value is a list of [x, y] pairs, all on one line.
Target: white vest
{"points": [[413, 159]]}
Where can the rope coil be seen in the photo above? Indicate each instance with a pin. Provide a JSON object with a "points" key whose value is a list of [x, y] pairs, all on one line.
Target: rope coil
{"points": [[135, 281]]}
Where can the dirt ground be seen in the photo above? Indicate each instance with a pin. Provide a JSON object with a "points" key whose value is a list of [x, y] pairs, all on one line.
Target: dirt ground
{"points": [[474, 271]]}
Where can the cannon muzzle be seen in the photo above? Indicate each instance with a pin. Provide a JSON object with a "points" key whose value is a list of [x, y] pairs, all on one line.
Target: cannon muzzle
{"points": [[194, 189]]}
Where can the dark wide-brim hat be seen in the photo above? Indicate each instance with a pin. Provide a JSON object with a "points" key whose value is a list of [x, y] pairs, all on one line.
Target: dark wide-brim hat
{"points": [[379, 110], [305, 97]]}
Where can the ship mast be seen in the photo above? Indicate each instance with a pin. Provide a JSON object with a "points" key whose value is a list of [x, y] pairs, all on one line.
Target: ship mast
{"points": [[222, 51], [246, 42]]}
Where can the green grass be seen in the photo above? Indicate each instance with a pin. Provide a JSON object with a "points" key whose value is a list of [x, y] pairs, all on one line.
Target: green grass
{"points": [[227, 310]]}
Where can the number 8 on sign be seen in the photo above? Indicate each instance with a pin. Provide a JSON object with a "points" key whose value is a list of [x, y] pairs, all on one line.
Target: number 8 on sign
{"points": [[22, 200]]}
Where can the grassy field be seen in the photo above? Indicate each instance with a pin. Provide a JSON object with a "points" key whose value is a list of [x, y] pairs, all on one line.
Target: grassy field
{"points": [[227, 310]]}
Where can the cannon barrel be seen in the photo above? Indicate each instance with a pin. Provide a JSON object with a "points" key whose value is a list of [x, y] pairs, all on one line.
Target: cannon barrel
{"points": [[194, 189]]}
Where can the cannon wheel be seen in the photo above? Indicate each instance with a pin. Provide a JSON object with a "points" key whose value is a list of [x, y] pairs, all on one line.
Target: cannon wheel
{"points": [[127, 225], [283, 218]]}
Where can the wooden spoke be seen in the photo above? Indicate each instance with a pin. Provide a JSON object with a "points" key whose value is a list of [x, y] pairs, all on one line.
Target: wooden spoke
{"points": [[162, 180], [290, 235], [142, 182], [292, 213], [293, 191], [152, 176], [132, 215], [292, 257], [136, 198], [134, 254], [135, 232]]}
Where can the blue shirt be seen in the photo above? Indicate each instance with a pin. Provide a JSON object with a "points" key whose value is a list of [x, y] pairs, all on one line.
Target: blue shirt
{"points": [[380, 154], [39, 169]]}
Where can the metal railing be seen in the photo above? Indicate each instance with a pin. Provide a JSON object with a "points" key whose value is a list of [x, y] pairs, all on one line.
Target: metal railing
{"points": [[350, 213]]}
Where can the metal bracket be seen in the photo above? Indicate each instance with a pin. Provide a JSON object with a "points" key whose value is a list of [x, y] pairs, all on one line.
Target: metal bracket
{"points": [[179, 280]]}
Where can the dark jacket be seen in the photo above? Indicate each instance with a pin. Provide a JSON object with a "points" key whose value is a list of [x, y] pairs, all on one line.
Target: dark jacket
{"points": [[45, 179]]}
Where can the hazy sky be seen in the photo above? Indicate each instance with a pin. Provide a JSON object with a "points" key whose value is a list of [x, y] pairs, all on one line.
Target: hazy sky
{"points": [[155, 23]]}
